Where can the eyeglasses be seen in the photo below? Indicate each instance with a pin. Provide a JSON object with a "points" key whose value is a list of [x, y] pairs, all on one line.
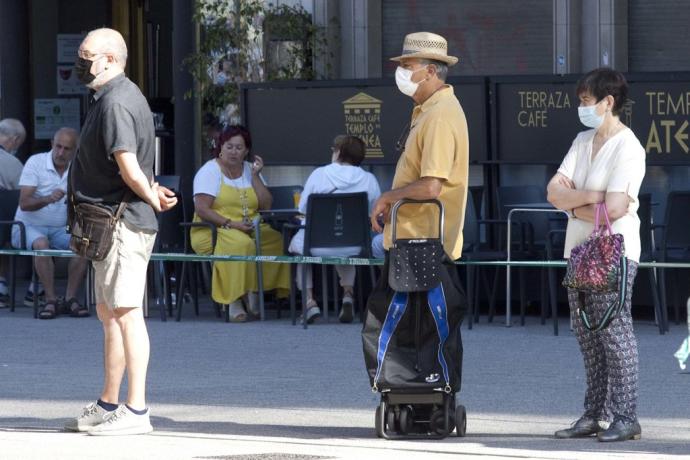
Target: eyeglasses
{"points": [[85, 54]]}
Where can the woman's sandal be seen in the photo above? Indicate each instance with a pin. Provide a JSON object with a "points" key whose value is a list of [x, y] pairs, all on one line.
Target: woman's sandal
{"points": [[73, 308], [49, 310], [237, 313]]}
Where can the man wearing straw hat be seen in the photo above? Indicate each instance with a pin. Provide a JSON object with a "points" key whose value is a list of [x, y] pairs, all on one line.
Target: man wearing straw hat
{"points": [[434, 160]]}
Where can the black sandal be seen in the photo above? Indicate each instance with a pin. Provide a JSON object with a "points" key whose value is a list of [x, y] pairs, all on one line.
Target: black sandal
{"points": [[78, 311], [49, 310]]}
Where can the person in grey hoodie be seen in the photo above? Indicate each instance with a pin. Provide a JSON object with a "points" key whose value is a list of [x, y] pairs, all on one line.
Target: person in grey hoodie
{"points": [[343, 175]]}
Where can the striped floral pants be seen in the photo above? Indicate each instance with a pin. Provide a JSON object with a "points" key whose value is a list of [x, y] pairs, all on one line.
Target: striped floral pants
{"points": [[610, 355]]}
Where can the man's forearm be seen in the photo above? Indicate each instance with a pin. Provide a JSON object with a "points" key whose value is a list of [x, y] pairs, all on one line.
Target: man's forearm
{"points": [[35, 203], [140, 185], [422, 189]]}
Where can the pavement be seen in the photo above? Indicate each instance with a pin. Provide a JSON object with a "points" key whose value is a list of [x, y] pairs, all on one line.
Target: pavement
{"points": [[270, 390]]}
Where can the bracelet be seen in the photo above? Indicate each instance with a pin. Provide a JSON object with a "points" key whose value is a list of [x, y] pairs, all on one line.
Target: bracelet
{"points": [[572, 213], [226, 224]]}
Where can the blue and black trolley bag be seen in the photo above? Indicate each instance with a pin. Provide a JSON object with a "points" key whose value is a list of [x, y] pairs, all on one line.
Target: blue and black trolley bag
{"points": [[411, 338]]}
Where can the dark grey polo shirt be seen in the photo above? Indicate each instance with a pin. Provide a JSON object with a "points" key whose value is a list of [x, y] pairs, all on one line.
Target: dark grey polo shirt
{"points": [[119, 119]]}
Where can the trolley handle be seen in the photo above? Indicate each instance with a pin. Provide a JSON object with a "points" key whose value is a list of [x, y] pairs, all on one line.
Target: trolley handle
{"points": [[399, 203]]}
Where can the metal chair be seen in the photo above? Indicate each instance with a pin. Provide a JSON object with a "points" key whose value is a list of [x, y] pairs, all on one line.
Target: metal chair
{"points": [[284, 196], [675, 243], [9, 200], [647, 254], [532, 234], [483, 240], [168, 239]]}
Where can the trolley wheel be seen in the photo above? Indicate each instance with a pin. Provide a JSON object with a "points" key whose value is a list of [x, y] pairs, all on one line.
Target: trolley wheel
{"points": [[460, 421], [406, 419], [437, 422], [391, 419]]}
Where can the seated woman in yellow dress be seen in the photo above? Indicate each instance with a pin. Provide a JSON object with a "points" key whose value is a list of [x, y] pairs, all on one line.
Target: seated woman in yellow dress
{"points": [[228, 192]]}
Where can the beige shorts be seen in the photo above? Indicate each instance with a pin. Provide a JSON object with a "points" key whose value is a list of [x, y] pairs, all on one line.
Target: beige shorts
{"points": [[120, 278]]}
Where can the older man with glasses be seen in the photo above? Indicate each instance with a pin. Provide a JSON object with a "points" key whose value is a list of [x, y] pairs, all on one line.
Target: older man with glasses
{"points": [[114, 164]]}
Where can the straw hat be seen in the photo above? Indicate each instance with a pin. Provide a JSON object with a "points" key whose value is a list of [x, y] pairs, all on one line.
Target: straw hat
{"points": [[425, 45]]}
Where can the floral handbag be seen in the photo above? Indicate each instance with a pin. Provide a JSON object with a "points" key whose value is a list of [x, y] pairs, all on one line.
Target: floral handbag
{"points": [[598, 265]]}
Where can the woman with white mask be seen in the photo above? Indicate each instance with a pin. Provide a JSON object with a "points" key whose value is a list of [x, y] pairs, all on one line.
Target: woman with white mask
{"points": [[604, 164]]}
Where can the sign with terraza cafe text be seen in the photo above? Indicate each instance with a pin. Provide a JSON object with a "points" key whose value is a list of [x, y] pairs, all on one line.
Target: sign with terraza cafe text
{"points": [[534, 118]]}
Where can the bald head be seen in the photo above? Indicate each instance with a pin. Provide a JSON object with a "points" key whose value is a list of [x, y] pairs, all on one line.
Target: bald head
{"points": [[12, 134], [107, 41]]}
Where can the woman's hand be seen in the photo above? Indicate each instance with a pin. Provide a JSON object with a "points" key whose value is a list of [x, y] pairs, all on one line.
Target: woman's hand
{"points": [[258, 164], [241, 226]]}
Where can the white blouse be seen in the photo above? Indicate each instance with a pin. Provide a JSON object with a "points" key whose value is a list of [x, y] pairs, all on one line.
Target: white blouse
{"points": [[619, 166]]}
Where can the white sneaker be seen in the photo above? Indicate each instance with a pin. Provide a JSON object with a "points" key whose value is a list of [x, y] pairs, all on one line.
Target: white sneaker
{"points": [[253, 304], [123, 422], [91, 416], [236, 312], [346, 310], [313, 312]]}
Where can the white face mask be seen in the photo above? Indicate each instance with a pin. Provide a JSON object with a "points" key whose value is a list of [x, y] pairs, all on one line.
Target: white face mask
{"points": [[589, 117], [403, 78]]}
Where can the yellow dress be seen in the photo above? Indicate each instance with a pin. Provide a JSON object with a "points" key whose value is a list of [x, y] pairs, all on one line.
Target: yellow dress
{"points": [[231, 280]]}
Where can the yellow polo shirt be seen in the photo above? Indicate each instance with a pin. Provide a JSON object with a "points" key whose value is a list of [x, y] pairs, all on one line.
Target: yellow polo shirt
{"points": [[437, 146]]}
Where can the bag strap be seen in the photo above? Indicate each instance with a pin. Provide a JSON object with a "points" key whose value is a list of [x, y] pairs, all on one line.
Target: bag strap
{"points": [[396, 310], [123, 204], [614, 309], [439, 311], [597, 227]]}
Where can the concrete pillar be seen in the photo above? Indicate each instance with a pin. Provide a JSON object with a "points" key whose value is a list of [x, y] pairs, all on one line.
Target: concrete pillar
{"points": [[15, 96], [326, 18], [187, 119], [589, 34], [566, 36], [605, 34], [361, 39]]}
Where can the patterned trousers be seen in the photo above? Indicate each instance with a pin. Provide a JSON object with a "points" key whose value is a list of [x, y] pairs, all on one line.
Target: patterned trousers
{"points": [[610, 355]]}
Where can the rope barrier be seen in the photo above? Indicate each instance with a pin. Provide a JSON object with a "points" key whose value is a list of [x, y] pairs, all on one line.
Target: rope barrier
{"points": [[322, 260]]}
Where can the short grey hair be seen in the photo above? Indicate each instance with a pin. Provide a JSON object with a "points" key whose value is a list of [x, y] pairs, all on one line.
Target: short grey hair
{"points": [[68, 131], [441, 67], [11, 127], [111, 42]]}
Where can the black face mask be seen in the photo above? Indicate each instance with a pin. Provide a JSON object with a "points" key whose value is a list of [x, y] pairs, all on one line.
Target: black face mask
{"points": [[83, 70]]}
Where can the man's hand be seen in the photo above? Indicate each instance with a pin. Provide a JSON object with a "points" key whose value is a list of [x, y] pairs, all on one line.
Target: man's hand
{"points": [[166, 198], [155, 199], [56, 195], [381, 210]]}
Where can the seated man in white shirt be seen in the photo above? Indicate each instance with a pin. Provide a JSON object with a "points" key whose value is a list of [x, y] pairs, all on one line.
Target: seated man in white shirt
{"points": [[43, 210]]}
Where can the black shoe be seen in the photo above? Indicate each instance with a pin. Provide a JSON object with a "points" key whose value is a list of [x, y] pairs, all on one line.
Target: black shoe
{"points": [[346, 310], [582, 428], [621, 430]]}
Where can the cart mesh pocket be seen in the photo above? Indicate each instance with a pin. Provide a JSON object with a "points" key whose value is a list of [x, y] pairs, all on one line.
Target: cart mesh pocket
{"points": [[415, 265]]}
